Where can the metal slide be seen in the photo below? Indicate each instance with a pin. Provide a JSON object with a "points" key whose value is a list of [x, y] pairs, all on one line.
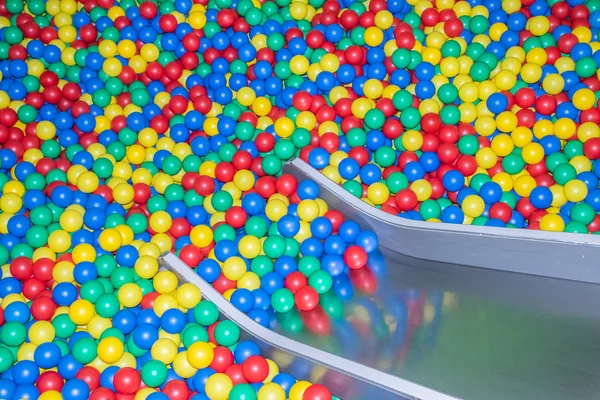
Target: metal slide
{"points": [[558, 255], [347, 379]]}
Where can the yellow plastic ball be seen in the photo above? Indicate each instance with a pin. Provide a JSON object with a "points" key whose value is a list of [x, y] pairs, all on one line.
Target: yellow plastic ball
{"points": [[45, 130], [112, 67], [130, 295], [552, 223], [146, 267], [422, 189], [533, 153], [505, 80], [575, 191], [298, 10], [553, 84], [308, 210], [329, 63], [244, 180], [506, 121], [182, 367], [10, 203], [97, 326], [143, 393], [50, 395], [486, 158], [88, 182], [502, 145], [412, 140], [564, 128], [249, 281], [298, 389], [81, 312], [558, 196], [110, 350], [83, 252], [378, 193], [234, 268], [41, 332], [160, 221], [200, 355], [26, 351], [163, 303], [584, 99], [123, 193], [201, 236], [384, 19], [188, 295], [473, 206], [273, 370], [373, 88], [218, 386], [581, 164], [531, 73], [524, 184], [485, 125], [539, 25], [587, 131], [373, 36], [261, 106], [63, 272], [59, 241], [110, 240], [164, 350], [165, 282], [271, 391], [71, 221], [249, 247]]}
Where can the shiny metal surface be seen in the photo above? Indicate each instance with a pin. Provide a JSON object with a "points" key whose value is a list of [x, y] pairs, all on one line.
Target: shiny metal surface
{"points": [[473, 333], [557, 255], [345, 378]]}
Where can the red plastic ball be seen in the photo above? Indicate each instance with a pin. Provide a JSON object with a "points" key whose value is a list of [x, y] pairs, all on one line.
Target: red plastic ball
{"points": [[32, 287], [21, 268], [176, 390], [49, 380], [307, 298], [286, 185], [591, 148], [222, 284], [224, 172], [204, 185], [234, 372], [295, 281], [42, 269], [264, 142], [90, 375], [501, 211], [255, 369], [355, 257], [242, 160], [127, 380], [223, 358], [102, 394], [43, 308], [236, 216], [406, 200], [148, 299], [316, 392]]}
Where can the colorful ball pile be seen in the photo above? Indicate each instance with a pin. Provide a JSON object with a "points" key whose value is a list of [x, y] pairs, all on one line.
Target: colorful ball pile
{"points": [[128, 129], [87, 327], [470, 112]]}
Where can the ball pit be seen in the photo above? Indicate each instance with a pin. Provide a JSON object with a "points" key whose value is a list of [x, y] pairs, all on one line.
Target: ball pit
{"points": [[129, 129], [120, 336]]}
